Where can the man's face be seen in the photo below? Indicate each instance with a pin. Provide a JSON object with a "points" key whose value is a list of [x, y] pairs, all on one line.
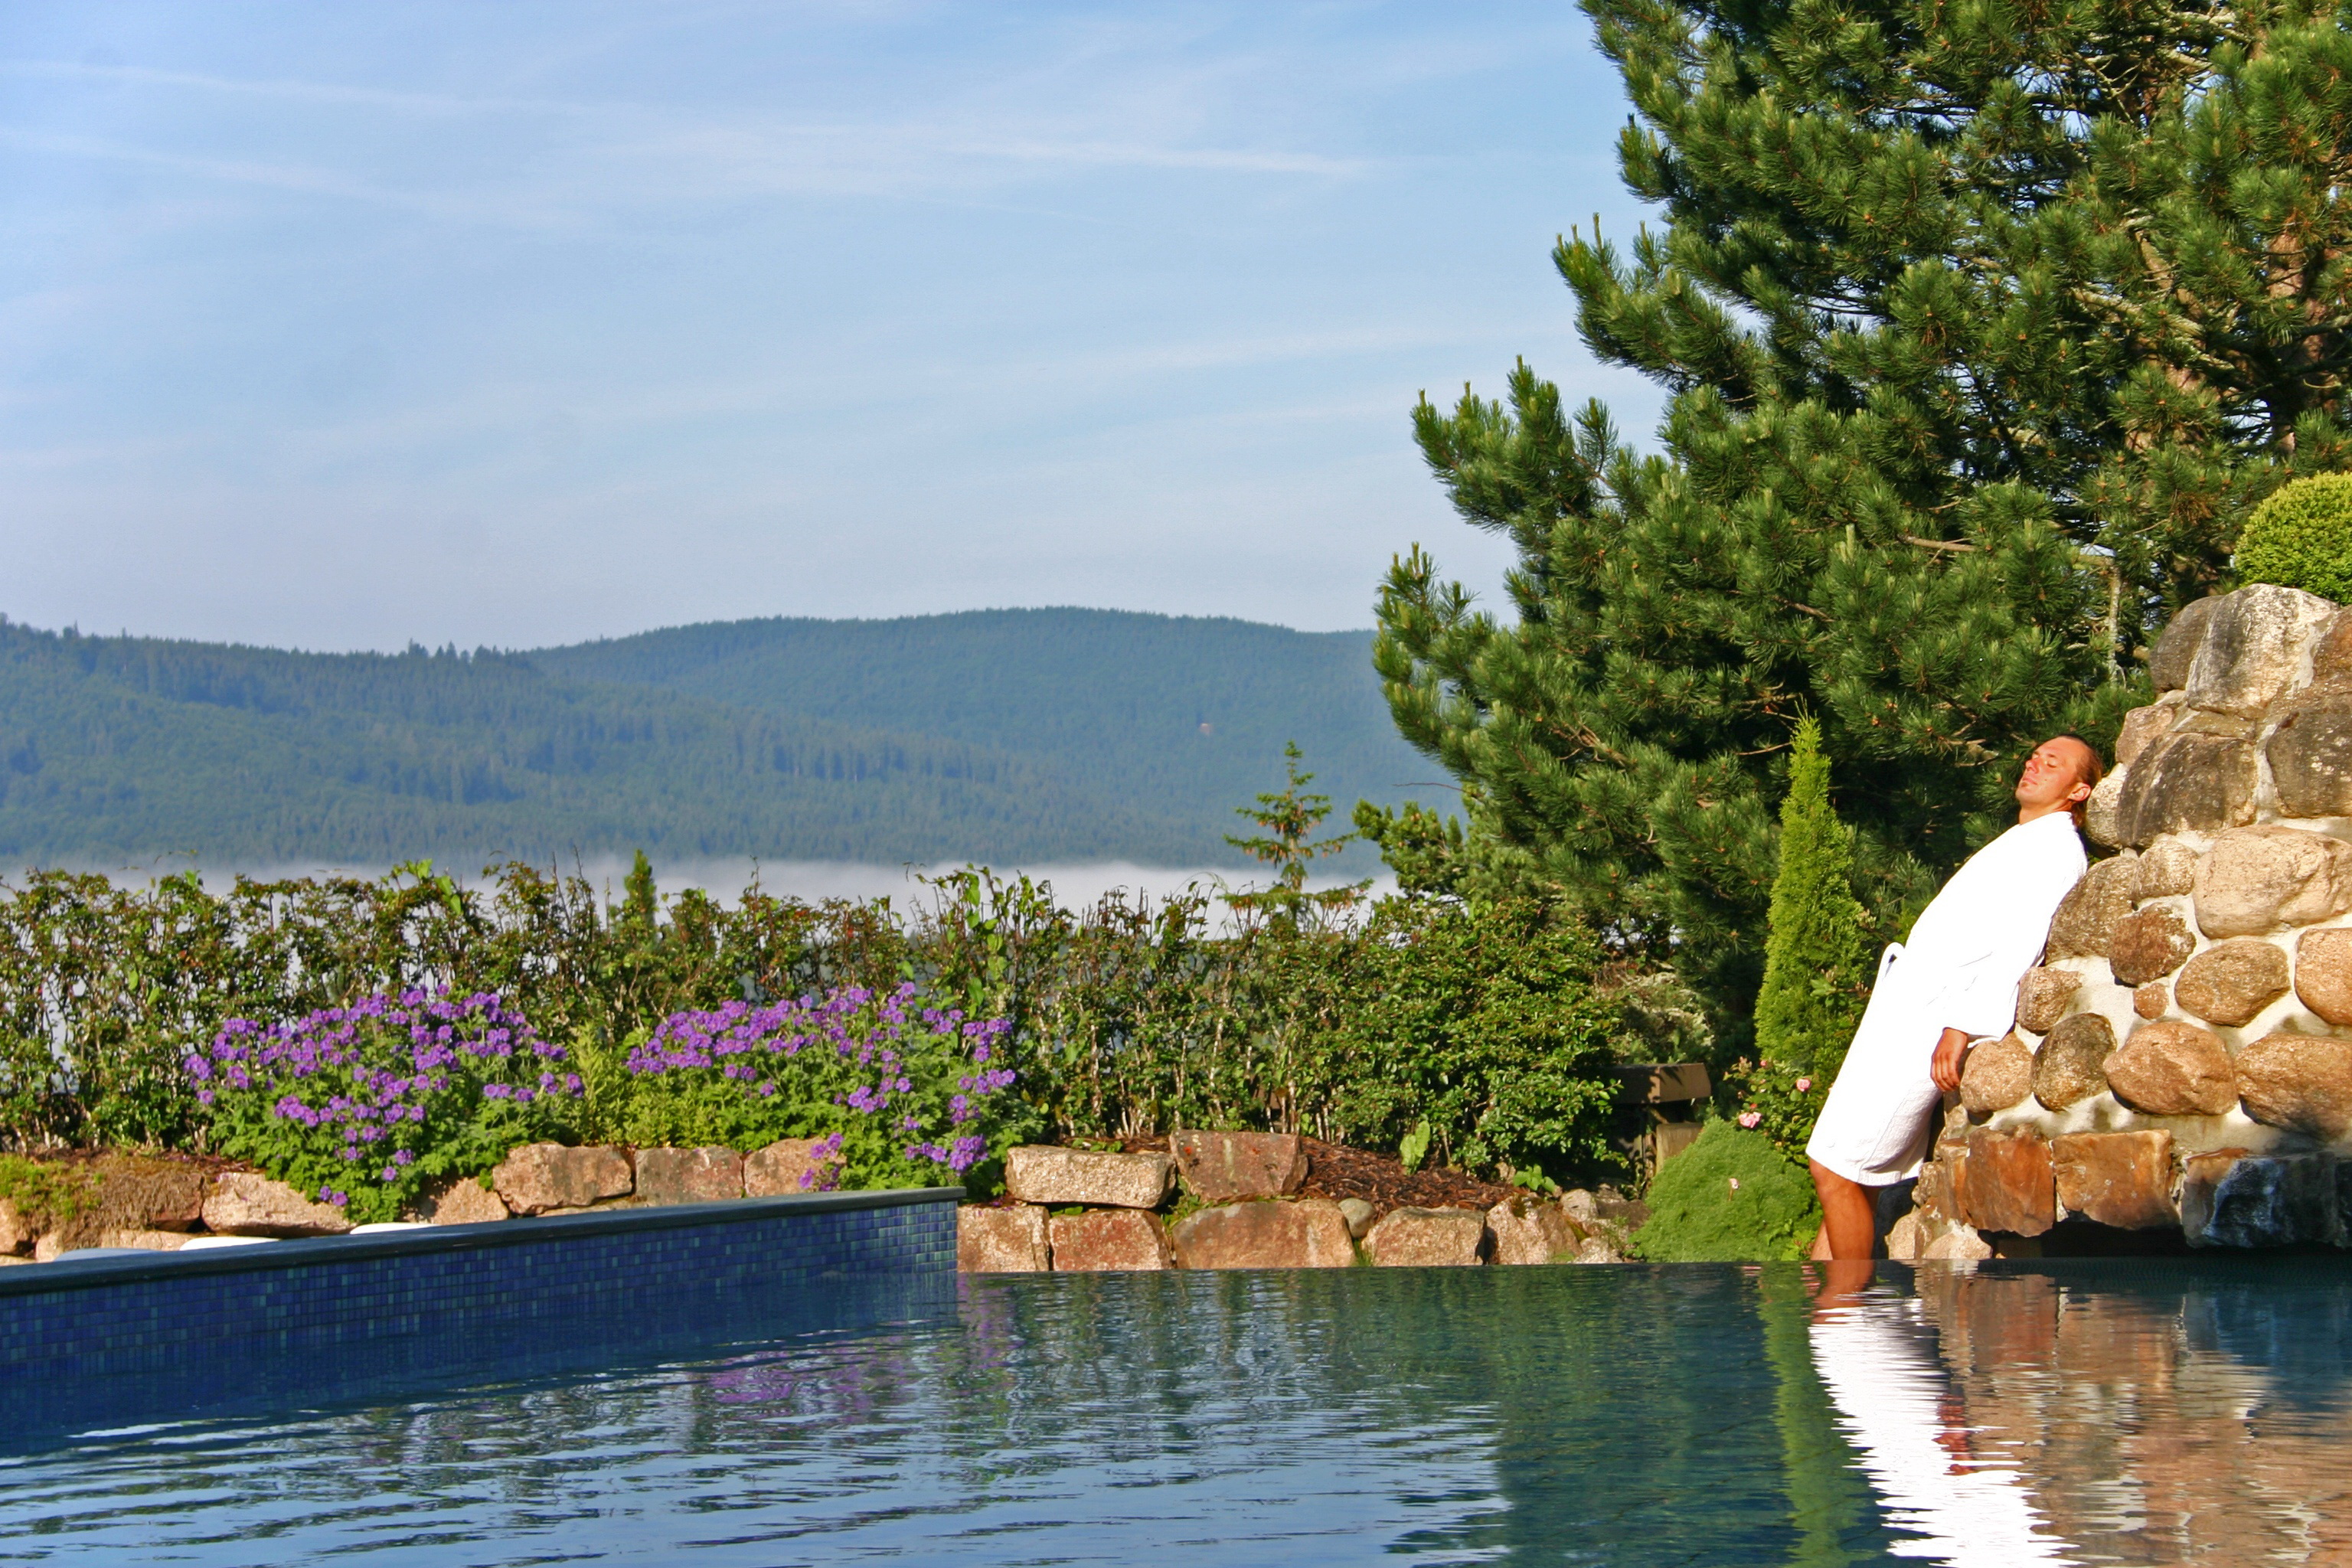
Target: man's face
{"points": [[2054, 774]]}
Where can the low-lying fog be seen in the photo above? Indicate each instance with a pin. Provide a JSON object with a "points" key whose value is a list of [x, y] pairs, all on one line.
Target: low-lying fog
{"points": [[725, 879]]}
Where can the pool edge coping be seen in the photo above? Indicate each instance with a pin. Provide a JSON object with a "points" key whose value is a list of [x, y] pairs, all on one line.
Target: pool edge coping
{"points": [[65, 1273]]}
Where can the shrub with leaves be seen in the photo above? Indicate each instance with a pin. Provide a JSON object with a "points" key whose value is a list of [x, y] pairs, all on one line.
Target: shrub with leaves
{"points": [[1731, 1198], [914, 1094], [2301, 537], [1478, 1034], [364, 1107]]}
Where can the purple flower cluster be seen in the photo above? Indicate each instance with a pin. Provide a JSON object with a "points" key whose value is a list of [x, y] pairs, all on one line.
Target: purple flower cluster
{"points": [[882, 1062], [366, 1075]]}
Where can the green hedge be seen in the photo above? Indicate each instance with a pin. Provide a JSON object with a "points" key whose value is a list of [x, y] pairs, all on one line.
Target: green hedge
{"points": [[2301, 537], [1480, 1023]]}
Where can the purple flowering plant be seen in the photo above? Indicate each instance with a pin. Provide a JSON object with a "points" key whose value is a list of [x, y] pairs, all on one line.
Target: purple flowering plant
{"points": [[918, 1095], [364, 1107]]}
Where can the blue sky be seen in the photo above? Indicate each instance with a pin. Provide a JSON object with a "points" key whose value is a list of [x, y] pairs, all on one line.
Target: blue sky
{"points": [[336, 326]]}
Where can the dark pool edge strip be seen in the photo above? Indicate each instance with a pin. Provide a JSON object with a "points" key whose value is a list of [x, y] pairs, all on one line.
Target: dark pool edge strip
{"points": [[67, 1273]]}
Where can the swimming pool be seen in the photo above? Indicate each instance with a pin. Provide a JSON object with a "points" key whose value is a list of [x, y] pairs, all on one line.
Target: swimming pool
{"points": [[2098, 1411]]}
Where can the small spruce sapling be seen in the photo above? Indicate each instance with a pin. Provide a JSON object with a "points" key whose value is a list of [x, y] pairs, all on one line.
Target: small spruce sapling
{"points": [[1289, 844]]}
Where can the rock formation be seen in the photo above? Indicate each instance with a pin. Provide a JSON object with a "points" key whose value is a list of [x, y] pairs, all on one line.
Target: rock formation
{"points": [[2183, 1057]]}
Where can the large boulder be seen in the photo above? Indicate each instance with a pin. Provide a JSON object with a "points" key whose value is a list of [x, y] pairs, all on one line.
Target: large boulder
{"points": [[246, 1203], [2089, 914], [2310, 752], [2121, 1179], [16, 1232], [2066, 1071], [2172, 1068], [791, 1166], [2168, 868], [462, 1202], [2303, 1082], [1224, 1167], [1427, 1238], [2256, 879], [2006, 1183], [1041, 1174], [1005, 1240], [2323, 973], [2149, 945], [1309, 1234], [1529, 1230], [2252, 650], [2187, 780], [1107, 1241], [2232, 981], [705, 1175], [1997, 1075], [540, 1178], [2042, 996]]}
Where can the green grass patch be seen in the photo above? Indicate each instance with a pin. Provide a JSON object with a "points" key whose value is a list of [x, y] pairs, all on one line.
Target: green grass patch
{"points": [[1731, 1198]]}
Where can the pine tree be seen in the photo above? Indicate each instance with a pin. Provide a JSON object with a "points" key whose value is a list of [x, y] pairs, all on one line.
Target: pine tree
{"points": [[1816, 951], [1289, 844], [640, 906], [1982, 328]]}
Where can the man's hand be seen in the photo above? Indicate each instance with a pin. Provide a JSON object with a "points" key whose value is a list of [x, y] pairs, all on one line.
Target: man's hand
{"points": [[1951, 1051]]}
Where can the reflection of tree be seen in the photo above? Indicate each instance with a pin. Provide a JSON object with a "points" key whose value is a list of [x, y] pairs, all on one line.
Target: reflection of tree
{"points": [[1829, 1505]]}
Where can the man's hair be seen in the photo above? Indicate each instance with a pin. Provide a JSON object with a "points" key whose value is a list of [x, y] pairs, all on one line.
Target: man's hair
{"points": [[2092, 770]]}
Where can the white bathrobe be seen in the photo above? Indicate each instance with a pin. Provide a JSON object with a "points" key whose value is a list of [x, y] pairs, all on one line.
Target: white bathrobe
{"points": [[1958, 970]]}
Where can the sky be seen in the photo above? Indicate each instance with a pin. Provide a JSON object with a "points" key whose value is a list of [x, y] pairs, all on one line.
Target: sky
{"points": [[345, 326]]}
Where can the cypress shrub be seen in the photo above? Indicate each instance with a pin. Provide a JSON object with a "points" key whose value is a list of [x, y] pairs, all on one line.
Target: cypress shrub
{"points": [[1816, 957], [2301, 537]]}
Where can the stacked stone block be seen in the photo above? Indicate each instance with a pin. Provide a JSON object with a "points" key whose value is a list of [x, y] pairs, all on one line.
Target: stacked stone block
{"points": [[1083, 1211], [2183, 1056]]}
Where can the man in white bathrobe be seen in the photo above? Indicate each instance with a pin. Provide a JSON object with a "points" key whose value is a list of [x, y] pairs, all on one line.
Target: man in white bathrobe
{"points": [[1952, 980]]}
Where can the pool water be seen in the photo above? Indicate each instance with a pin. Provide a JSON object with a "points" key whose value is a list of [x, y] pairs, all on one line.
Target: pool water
{"points": [[2101, 1411]]}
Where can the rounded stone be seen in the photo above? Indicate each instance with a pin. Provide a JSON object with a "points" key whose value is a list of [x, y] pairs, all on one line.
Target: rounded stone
{"points": [[1997, 1075], [2172, 1068], [2042, 996], [2149, 945], [2150, 1000], [2256, 879], [2323, 973], [2232, 981], [2302, 1082], [2067, 1070], [2104, 895]]}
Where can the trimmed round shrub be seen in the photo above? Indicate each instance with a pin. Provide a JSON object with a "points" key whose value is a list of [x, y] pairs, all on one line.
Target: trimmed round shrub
{"points": [[1731, 1198], [2302, 538]]}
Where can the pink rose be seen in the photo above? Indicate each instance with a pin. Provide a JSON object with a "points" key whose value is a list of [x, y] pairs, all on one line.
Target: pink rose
{"points": [[1750, 1117], [1804, 1085]]}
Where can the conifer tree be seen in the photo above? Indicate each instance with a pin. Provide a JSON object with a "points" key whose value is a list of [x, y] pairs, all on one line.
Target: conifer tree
{"points": [[1816, 953], [1289, 819], [1982, 327]]}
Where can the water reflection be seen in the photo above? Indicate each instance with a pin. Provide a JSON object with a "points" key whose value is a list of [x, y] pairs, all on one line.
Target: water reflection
{"points": [[2106, 1411], [2156, 1411]]}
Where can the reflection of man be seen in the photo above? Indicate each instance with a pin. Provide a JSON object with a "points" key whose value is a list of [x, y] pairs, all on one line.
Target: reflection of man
{"points": [[1954, 978]]}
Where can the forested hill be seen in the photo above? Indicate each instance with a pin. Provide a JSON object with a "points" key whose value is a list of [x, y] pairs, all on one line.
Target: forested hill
{"points": [[1014, 737]]}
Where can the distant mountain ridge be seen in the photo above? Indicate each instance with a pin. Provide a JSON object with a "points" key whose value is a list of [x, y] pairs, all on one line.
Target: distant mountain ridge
{"points": [[1013, 736]]}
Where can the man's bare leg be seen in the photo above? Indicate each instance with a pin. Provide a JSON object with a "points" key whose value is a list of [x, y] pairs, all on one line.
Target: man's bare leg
{"points": [[1849, 1215]]}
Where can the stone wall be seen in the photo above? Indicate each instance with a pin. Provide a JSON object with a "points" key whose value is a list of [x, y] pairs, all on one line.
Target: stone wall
{"points": [[1086, 1211], [2181, 1063]]}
